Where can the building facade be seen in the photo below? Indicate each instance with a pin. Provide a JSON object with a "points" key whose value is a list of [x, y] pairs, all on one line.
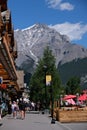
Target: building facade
{"points": [[8, 53]]}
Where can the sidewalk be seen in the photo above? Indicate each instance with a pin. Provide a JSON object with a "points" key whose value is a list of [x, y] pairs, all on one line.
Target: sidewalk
{"points": [[31, 122]]}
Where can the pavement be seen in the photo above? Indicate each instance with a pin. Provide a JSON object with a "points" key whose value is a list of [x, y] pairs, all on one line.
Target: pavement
{"points": [[32, 121]]}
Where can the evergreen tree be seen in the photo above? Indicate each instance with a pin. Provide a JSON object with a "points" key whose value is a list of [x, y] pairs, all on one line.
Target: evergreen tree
{"points": [[38, 89], [73, 86]]}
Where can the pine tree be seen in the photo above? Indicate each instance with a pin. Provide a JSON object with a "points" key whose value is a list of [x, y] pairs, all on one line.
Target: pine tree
{"points": [[73, 85], [38, 89]]}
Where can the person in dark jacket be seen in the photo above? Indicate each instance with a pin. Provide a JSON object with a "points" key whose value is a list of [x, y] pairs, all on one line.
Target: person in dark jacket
{"points": [[9, 107], [22, 108]]}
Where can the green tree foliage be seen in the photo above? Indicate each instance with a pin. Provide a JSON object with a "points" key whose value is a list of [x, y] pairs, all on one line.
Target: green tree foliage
{"points": [[73, 86], [77, 67], [38, 89]]}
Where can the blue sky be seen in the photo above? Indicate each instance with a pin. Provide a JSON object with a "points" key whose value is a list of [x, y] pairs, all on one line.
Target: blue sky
{"points": [[66, 16]]}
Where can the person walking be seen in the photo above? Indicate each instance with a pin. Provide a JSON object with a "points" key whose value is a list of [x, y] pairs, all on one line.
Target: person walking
{"points": [[22, 108], [9, 107], [14, 109]]}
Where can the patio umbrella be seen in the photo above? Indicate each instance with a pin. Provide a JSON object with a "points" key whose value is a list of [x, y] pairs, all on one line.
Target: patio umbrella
{"points": [[82, 97], [69, 97], [71, 101]]}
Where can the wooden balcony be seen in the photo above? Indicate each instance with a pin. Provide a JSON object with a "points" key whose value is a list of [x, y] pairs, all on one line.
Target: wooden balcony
{"points": [[7, 44]]}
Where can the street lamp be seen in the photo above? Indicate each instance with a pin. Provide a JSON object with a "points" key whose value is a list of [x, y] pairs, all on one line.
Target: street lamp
{"points": [[61, 102], [49, 83], [77, 102], [45, 70], [52, 105]]}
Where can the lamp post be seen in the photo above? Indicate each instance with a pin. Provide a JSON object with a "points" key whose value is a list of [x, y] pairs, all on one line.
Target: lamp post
{"points": [[77, 102], [45, 70], [61, 102], [49, 83], [52, 105]]}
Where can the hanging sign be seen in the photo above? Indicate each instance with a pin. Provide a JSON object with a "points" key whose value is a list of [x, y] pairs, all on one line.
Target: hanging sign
{"points": [[48, 80]]}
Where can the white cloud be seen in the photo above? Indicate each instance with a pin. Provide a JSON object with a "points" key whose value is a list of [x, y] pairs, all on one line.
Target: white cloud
{"points": [[53, 3], [66, 6], [58, 4], [74, 31]]}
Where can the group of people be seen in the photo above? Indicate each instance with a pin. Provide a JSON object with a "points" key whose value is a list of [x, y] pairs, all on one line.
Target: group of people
{"points": [[17, 108]]}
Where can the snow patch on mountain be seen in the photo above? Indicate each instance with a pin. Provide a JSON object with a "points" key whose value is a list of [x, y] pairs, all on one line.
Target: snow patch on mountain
{"points": [[33, 40]]}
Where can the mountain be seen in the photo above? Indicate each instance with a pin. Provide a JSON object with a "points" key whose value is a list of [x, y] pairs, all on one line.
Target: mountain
{"points": [[32, 41]]}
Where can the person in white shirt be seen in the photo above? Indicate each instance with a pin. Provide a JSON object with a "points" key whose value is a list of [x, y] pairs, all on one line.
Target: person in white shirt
{"points": [[14, 109]]}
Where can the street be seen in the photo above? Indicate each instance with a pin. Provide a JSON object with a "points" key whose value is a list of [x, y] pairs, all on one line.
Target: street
{"points": [[76, 126], [38, 122]]}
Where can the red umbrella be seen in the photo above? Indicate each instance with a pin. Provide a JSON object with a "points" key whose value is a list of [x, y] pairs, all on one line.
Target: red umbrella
{"points": [[83, 97], [69, 97], [71, 101]]}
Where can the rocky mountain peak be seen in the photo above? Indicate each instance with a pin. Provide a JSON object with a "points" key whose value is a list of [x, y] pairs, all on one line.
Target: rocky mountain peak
{"points": [[33, 40]]}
